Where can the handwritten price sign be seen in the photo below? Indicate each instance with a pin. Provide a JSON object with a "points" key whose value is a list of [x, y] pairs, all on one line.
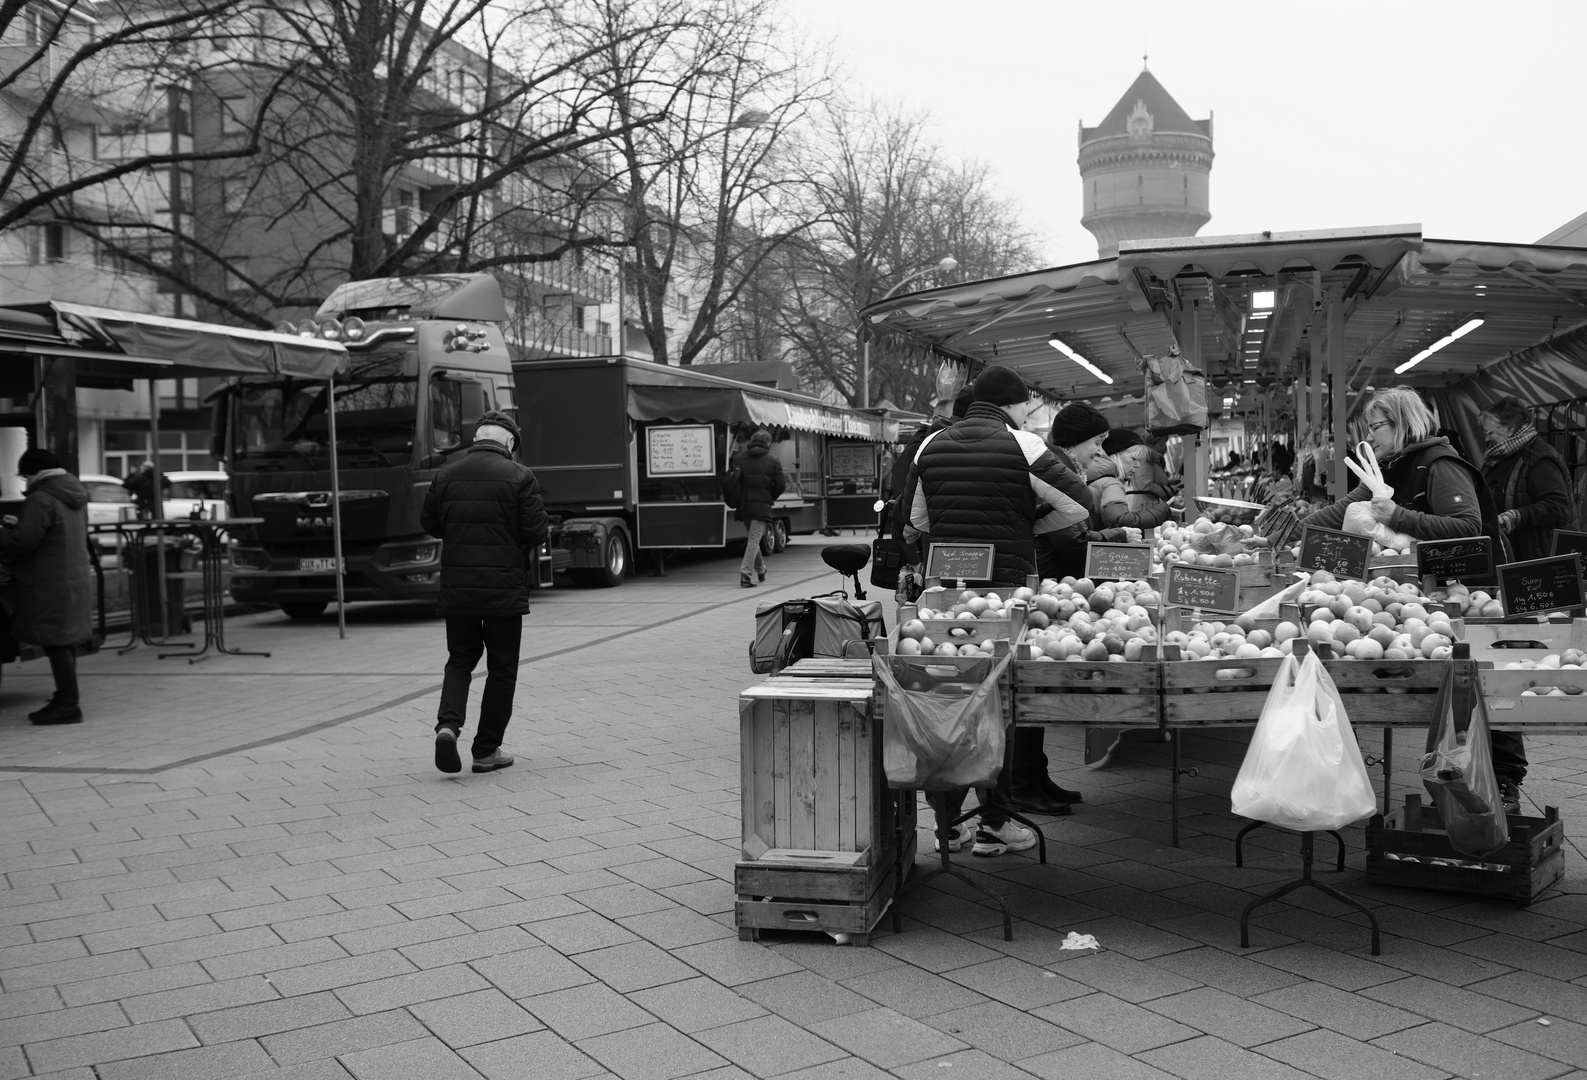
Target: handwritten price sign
{"points": [[1203, 587], [1539, 585], [681, 450]]}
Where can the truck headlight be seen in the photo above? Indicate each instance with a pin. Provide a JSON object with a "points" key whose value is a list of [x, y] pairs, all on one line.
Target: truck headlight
{"points": [[418, 555]]}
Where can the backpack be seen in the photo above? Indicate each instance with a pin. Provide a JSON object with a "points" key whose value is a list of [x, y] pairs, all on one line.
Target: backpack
{"points": [[733, 488], [789, 630]]}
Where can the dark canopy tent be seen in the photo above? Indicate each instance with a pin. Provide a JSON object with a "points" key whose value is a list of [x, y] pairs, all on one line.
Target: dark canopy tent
{"points": [[108, 347]]}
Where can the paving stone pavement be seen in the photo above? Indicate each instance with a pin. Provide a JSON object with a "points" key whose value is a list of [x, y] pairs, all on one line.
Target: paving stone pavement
{"points": [[249, 867]]}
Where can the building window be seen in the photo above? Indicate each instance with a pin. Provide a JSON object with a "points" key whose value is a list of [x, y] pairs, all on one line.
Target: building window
{"points": [[233, 195], [54, 243], [235, 114], [180, 451]]}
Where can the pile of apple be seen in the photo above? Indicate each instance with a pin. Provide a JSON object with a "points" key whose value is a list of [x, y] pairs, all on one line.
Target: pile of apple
{"points": [[1207, 543], [1381, 619], [1476, 605], [1083, 620], [966, 606], [1569, 660]]}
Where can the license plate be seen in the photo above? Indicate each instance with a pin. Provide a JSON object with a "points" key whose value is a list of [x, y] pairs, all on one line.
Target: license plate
{"points": [[310, 566]]}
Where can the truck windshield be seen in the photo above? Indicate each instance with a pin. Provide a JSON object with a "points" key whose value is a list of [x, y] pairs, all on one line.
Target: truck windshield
{"points": [[376, 413]]}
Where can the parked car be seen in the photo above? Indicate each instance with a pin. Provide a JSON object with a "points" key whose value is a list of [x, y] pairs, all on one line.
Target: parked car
{"points": [[106, 499], [207, 490]]}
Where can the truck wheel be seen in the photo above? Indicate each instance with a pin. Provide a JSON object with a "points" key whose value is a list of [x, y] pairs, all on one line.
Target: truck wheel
{"points": [[308, 609], [615, 567], [779, 533]]}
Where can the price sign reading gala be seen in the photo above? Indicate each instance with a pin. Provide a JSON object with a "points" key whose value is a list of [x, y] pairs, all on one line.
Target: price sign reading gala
{"points": [[1539, 585], [1203, 587], [1118, 562], [1342, 554], [1462, 557]]}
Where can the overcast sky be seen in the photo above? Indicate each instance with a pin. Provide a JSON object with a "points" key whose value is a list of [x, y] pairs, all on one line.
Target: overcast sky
{"points": [[1468, 118]]}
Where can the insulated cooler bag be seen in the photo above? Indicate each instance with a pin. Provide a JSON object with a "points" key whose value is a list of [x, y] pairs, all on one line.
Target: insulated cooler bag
{"points": [[789, 630]]}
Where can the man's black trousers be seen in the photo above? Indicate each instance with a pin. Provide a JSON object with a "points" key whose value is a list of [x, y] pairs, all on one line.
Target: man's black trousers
{"points": [[469, 637]]}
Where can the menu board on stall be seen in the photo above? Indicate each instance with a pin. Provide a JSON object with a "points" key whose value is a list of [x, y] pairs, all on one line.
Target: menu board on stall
{"points": [[680, 450], [960, 562], [1204, 587], [852, 462], [1342, 554], [1539, 585], [1566, 541], [1452, 560], [1118, 562]]}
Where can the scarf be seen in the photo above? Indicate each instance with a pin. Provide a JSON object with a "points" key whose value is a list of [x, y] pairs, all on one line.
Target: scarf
{"points": [[44, 474], [1511, 444]]}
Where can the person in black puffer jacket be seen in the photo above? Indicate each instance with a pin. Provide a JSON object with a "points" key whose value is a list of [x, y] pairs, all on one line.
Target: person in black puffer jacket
{"points": [[985, 480], [762, 485], [486, 508]]}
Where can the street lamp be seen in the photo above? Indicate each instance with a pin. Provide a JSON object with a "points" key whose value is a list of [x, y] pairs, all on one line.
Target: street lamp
{"points": [[944, 264]]}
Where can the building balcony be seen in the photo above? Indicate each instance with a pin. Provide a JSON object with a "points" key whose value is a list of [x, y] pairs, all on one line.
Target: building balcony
{"points": [[539, 338], [587, 286]]}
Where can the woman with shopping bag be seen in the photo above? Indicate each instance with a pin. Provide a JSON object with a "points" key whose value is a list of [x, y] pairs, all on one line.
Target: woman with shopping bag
{"points": [[1415, 485]]}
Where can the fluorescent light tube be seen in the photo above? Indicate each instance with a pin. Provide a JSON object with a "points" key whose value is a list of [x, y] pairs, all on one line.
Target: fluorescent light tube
{"points": [[1456, 335], [1077, 358]]}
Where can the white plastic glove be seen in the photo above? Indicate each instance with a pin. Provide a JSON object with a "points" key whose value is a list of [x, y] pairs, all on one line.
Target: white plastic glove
{"points": [[1132, 535]]}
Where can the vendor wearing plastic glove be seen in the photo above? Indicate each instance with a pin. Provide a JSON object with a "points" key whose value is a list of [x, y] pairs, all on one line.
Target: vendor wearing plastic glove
{"points": [[1437, 495]]}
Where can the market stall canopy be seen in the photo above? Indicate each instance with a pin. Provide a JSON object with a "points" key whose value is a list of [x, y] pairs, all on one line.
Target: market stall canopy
{"points": [[1248, 306], [659, 392], [120, 345]]}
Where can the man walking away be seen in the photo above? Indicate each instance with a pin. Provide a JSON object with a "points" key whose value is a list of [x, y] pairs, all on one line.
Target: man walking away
{"points": [[486, 508], [763, 484], [48, 545]]}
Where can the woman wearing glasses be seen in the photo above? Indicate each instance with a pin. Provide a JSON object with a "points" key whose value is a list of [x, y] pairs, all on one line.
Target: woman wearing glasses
{"points": [[1438, 495]]}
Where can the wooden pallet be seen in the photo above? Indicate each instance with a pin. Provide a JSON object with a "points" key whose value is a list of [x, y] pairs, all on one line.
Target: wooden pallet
{"points": [[1409, 848]]}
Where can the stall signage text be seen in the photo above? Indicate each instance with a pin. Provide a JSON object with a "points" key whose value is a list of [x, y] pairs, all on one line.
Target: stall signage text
{"points": [[1539, 585], [1566, 541], [960, 562], [1202, 587], [1342, 554], [1118, 562], [1462, 557], [683, 450]]}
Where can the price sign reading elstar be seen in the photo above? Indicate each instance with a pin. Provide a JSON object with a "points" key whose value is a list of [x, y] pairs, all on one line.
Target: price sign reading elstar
{"points": [[960, 562], [1203, 587], [1118, 562], [1342, 554], [1457, 559], [1540, 585]]}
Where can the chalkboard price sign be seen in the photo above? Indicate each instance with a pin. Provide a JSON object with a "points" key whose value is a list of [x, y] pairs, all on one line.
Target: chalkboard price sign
{"points": [[1566, 541], [960, 562], [1539, 585], [1118, 562], [1462, 557], [1202, 587], [1342, 554]]}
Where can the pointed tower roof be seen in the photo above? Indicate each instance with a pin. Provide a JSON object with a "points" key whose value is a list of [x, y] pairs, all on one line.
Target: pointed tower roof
{"points": [[1166, 114]]}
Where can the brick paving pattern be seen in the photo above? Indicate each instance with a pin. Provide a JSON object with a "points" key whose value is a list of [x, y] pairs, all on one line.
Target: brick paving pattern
{"points": [[249, 867]]}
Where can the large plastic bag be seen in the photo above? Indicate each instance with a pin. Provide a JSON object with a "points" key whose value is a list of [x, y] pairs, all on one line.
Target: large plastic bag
{"points": [[1303, 769], [1457, 772], [942, 725], [1176, 395]]}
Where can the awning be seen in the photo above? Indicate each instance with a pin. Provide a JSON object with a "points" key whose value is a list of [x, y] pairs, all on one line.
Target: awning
{"points": [[732, 406]]}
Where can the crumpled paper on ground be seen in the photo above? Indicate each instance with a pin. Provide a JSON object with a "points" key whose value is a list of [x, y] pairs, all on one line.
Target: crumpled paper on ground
{"points": [[1080, 941]]}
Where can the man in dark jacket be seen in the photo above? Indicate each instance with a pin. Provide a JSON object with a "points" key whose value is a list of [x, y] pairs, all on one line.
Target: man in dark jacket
{"points": [[762, 485], [486, 509], [986, 480], [47, 545]]}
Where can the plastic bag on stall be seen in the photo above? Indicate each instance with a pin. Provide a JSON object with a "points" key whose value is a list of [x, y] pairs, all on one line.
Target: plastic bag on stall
{"points": [[1359, 520], [1268, 609], [1303, 769], [942, 725], [1457, 772], [1176, 395]]}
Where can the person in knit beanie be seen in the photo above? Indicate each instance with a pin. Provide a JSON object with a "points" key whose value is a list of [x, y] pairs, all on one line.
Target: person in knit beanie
{"points": [[1120, 440], [1079, 430]]}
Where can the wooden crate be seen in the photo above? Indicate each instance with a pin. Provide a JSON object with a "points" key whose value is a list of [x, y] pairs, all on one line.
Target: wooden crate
{"points": [[1118, 694], [817, 898], [963, 632], [1229, 692], [1409, 848], [1503, 642], [811, 760], [828, 667]]}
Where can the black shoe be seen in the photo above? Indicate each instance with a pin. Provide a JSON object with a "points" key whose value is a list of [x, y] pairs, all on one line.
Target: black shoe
{"points": [[744, 582], [1039, 802], [446, 758], [42, 711], [1062, 794], [760, 575], [1510, 796], [56, 713]]}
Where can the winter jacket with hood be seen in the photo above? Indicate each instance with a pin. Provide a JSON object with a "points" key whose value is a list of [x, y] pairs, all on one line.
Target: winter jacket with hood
{"points": [[486, 507], [982, 481], [49, 548], [1111, 505], [1534, 483], [763, 483]]}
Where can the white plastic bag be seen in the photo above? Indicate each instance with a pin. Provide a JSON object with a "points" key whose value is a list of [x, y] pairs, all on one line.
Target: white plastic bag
{"points": [[1303, 769], [1268, 609]]}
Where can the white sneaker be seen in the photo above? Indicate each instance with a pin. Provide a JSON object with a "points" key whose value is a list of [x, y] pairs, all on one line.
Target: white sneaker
{"points": [[1012, 836], [962, 835]]}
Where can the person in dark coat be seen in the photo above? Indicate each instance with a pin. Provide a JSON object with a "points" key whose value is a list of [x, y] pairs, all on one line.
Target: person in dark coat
{"points": [[1078, 431], [486, 509], [1527, 478], [986, 480], [47, 544], [763, 483], [904, 475]]}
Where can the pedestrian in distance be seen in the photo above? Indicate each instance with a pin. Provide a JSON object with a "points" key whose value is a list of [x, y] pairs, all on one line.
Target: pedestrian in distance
{"points": [[486, 509], [47, 547], [762, 483]]}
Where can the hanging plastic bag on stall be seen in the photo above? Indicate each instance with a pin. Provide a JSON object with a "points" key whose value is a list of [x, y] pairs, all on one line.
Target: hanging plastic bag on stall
{"points": [[1457, 772], [1303, 769], [942, 725], [1176, 395]]}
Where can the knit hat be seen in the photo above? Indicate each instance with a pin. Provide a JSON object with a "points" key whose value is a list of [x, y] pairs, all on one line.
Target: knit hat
{"points": [[1120, 440], [961, 403], [761, 438], [1001, 386], [32, 462], [1077, 422]]}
